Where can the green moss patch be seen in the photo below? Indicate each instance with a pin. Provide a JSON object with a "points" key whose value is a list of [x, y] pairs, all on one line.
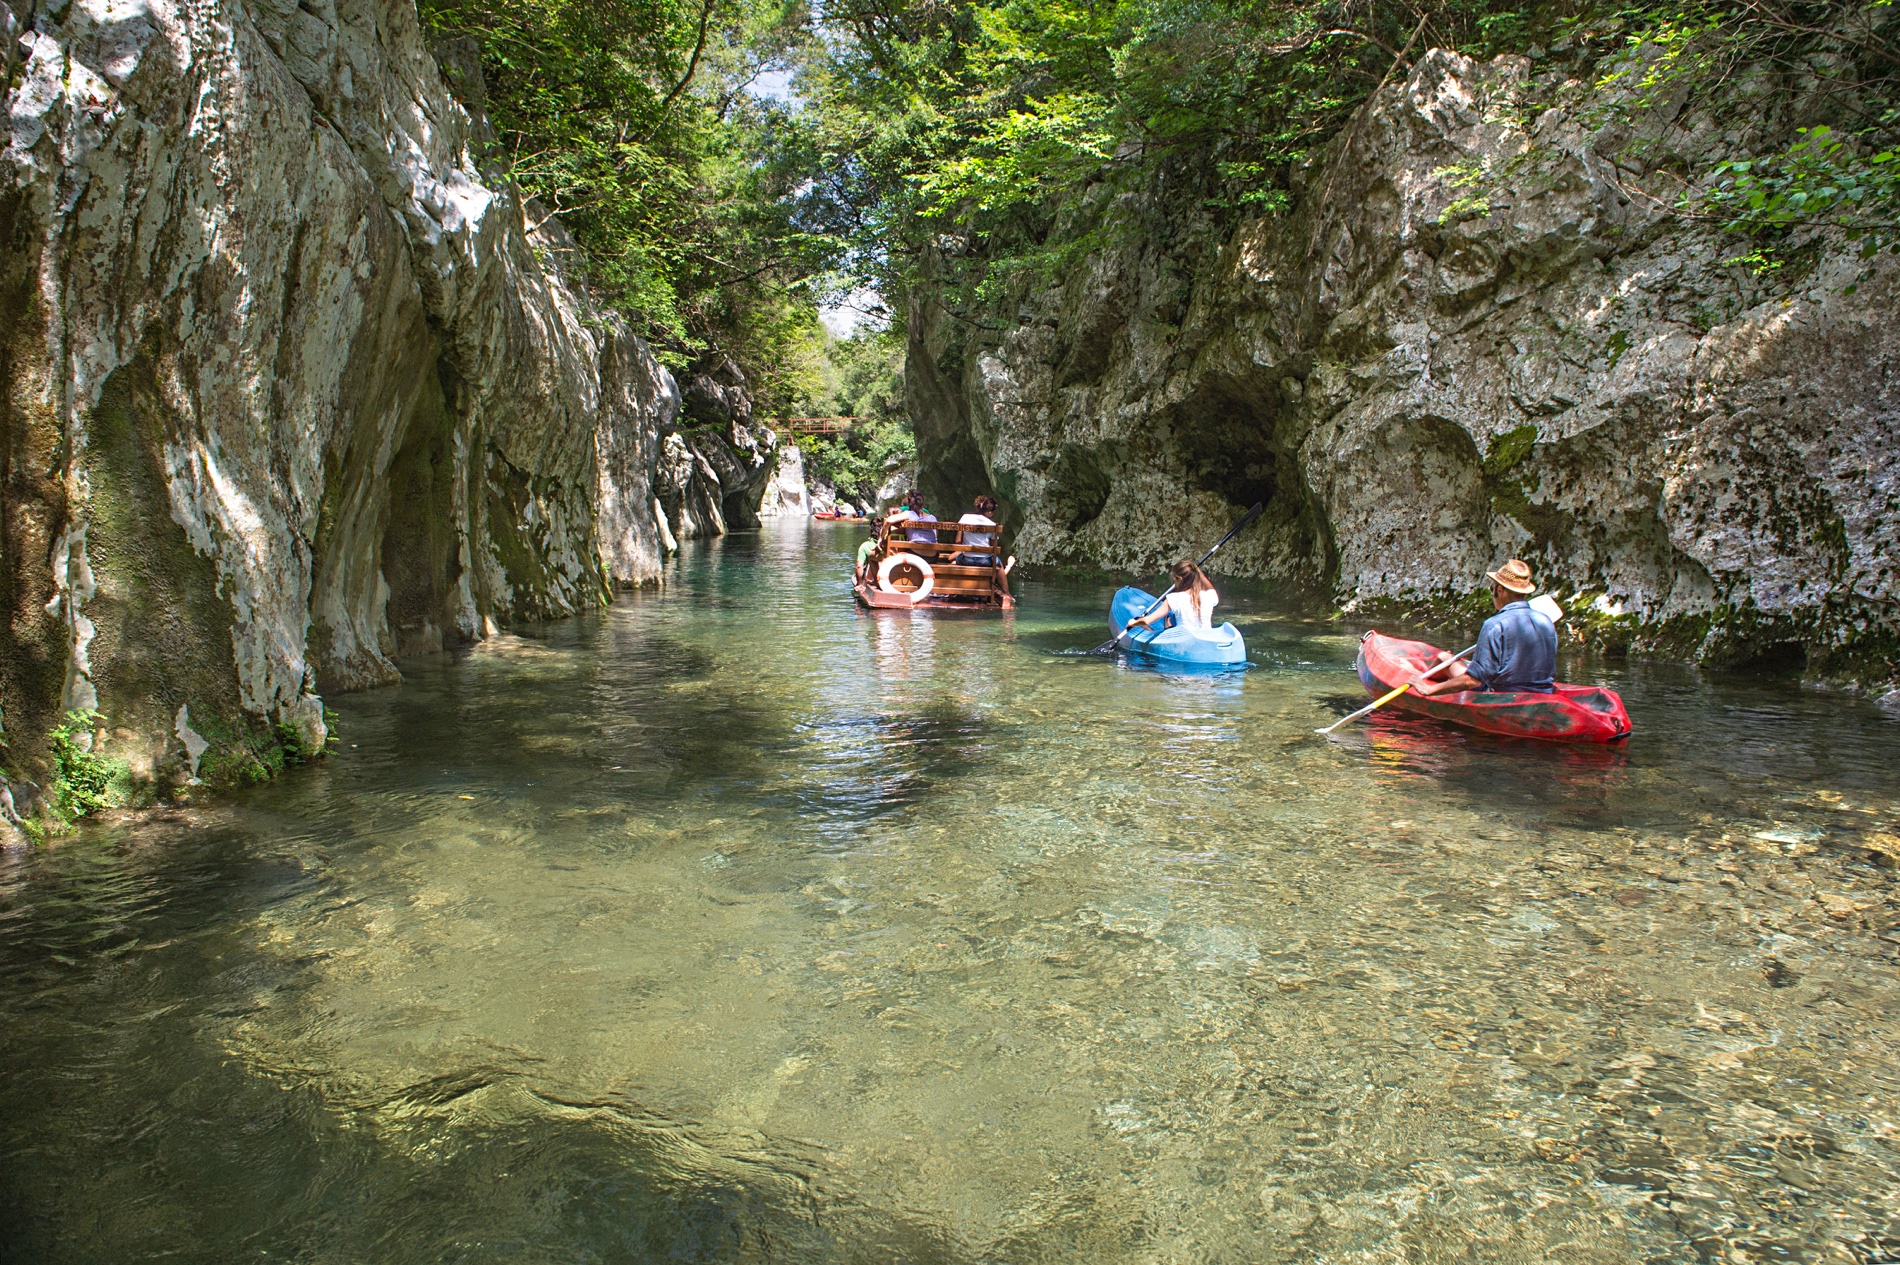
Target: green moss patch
{"points": [[1508, 449], [163, 632]]}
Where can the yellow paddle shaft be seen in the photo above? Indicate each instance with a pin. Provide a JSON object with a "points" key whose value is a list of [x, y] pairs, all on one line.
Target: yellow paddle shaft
{"points": [[1375, 706]]}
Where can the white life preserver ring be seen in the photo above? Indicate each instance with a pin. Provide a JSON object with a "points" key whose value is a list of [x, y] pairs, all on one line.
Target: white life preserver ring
{"points": [[897, 560]]}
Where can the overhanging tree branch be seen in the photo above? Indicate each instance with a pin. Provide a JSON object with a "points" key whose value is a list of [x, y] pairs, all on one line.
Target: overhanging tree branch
{"points": [[692, 65]]}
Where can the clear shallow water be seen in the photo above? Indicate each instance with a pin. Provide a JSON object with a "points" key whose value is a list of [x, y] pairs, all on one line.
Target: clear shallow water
{"points": [[731, 925]]}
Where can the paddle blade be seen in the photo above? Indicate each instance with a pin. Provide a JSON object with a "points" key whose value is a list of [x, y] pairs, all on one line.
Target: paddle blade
{"points": [[1546, 605]]}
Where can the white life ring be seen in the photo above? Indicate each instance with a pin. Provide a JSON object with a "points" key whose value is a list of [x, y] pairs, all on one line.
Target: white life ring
{"points": [[897, 560]]}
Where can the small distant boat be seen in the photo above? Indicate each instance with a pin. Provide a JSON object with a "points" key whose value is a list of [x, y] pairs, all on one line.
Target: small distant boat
{"points": [[1169, 640], [1574, 713], [829, 515], [935, 574]]}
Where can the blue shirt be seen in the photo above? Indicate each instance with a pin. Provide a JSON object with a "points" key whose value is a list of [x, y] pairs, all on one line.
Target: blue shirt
{"points": [[1516, 651]]}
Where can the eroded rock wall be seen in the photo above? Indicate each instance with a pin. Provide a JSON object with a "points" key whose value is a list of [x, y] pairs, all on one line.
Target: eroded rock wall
{"points": [[291, 390], [1472, 340]]}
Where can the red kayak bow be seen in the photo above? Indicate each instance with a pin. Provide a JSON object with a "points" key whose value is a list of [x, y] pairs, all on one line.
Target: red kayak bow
{"points": [[1574, 713]]}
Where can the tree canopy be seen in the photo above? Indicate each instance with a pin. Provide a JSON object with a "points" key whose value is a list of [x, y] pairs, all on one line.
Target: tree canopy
{"points": [[635, 122], [980, 140]]}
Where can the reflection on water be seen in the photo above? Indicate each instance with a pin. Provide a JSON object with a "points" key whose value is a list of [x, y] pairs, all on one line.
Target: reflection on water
{"points": [[735, 925]]}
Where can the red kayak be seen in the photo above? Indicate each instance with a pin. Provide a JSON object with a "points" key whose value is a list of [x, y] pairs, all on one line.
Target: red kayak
{"points": [[1575, 713]]}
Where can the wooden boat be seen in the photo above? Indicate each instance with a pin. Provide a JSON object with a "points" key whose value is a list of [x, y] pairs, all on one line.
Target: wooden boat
{"points": [[909, 574], [1573, 713], [835, 515]]}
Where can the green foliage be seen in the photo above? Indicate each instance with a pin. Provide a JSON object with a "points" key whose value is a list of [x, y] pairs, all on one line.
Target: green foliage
{"points": [[864, 377], [1589, 621], [986, 146], [1823, 179], [246, 752], [290, 742], [855, 463], [689, 196], [84, 782], [1786, 184], [868, 385], [1472, 176], [1616, 346], [990, 146]]}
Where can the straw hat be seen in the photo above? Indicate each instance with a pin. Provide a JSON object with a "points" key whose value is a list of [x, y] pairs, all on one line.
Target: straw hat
{"points": [[1513, 575]]}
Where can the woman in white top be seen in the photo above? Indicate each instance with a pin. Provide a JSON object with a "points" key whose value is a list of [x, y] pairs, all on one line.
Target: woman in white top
{"points": [[980, 541], [1191, 601]]}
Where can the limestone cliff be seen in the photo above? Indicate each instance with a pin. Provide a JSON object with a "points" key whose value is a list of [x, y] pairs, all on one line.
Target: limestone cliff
{"points": [[714, 475], [292, 390], [1468, 340]]}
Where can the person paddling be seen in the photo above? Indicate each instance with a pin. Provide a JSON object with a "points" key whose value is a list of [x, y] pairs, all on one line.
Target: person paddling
{"points": [[1517, 649], [1191, 601]]}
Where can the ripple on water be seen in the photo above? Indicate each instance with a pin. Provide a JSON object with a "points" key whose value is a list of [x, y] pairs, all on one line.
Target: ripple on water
{"points": [[731, 925]]}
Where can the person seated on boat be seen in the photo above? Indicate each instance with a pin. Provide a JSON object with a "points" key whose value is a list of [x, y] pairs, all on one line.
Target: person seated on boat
{"points": [[979, 543], [1191, 601], [894, 519], [917, 514], [866, 552], [1517, 649]]}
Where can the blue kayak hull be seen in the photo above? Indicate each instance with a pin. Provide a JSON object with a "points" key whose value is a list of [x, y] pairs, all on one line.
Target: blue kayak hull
{"points": [[1167, 640]]}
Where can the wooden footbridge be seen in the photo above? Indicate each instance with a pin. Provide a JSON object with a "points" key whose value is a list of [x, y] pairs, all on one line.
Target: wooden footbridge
{"points": [[813, 425]]}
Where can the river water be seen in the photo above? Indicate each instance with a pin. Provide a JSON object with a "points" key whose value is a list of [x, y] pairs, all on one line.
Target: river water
{"points": [[733, 925]]}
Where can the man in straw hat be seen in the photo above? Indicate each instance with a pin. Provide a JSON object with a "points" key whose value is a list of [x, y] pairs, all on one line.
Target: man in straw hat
{"points": [[1517, 650]]}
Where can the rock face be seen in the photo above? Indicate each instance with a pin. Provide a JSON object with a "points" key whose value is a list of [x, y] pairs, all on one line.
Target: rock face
{"points": [[788, 495], [291, 390], [1470, 342], [714, 477]]}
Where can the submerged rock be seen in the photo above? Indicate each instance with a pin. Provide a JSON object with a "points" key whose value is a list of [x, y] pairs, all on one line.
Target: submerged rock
{"points": [[1470, 341], [293, 390]]}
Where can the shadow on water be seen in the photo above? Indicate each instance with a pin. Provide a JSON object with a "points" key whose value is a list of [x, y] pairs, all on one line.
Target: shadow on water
{"points": [[1501, 775], [731, 925], [200, 1158], [1704, 743]]}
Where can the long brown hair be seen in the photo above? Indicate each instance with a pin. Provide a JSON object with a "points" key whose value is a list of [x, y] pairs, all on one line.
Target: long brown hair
{"points": [[1189, 578]]}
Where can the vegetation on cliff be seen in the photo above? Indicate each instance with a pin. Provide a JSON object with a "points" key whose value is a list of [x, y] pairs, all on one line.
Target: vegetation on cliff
{"points": [[638, 122], [989, 137], [987, 142]]}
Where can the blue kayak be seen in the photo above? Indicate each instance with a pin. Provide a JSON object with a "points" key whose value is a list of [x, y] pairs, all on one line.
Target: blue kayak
{"points": [[1166, 639]]}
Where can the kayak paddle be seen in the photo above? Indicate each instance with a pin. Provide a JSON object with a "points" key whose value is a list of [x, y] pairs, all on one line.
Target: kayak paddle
{"points": [[1543, 604], [1381, 702], [1246, 518]]}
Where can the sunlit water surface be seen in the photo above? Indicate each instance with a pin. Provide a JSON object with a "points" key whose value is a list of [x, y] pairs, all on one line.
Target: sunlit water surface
{"points": [[734, 925]]}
